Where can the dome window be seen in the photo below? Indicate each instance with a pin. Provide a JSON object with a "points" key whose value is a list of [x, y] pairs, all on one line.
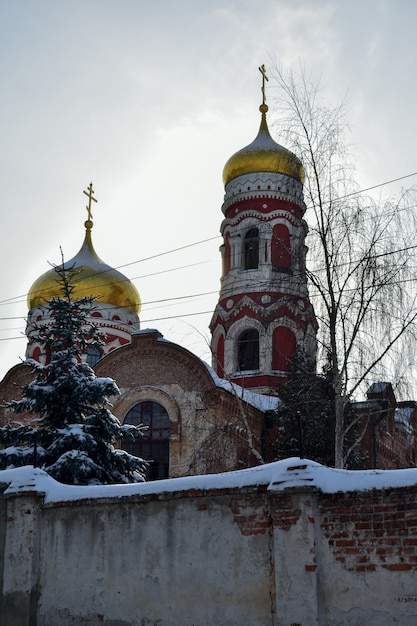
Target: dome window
{"points": [[93, 355]]}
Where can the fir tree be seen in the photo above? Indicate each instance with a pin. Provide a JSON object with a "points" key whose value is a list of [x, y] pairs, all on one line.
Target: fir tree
{"points": [[306, 422], [75, 431]]}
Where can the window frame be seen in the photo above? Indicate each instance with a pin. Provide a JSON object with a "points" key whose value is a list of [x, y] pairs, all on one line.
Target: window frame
{"points": [[247, 350], [251, 249], [150, 447]]}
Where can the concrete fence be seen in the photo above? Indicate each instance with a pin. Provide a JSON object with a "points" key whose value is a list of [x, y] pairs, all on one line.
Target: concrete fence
{"points": [[291, 543]]}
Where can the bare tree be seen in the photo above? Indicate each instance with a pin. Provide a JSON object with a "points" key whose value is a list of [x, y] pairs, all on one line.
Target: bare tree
{"points": [[360, 251]]}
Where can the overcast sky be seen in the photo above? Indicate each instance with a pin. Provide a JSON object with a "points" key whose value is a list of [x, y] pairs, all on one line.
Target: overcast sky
{"points": [[148, 99]]}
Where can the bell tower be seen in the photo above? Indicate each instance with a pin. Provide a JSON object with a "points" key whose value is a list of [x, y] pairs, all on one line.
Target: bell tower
{"points": [[264, 314]]}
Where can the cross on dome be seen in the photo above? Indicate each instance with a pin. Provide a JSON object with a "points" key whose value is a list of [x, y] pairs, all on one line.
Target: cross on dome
{"points": [[90, 194], [264, 78]]}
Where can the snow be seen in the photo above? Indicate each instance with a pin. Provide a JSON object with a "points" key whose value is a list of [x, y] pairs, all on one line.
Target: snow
{"points": [[402, 416], [378, 387], [287, 474], [257, 400]]}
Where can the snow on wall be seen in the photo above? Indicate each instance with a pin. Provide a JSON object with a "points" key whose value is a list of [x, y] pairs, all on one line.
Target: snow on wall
{"points": [[278, 476]]}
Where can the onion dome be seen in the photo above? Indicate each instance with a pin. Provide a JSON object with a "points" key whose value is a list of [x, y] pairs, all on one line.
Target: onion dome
{"points": [[263, 155], [92, 277]]}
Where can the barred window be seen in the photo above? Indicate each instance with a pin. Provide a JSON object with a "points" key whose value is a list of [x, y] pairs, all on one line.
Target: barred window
{"points": [[154, 445]]}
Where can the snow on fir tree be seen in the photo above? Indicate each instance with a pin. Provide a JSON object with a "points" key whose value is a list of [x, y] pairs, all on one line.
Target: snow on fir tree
{"points": [[73, 437]]}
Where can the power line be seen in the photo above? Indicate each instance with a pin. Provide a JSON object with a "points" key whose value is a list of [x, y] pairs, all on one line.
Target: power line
{"points": [[15, 299], [171, 317], [189, 296], [196, 243], [190, 245], [18, 300], [388, 182], [160, 254]]}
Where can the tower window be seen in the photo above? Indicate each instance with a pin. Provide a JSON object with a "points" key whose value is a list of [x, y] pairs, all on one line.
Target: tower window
{"points": [[226, 255], [251, 249], [281, 247], [219, 364], [284, 345], [248, 350], [154, 445]]}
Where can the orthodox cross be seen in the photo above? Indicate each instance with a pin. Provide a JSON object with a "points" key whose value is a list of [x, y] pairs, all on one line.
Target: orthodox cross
{"points": [[264, 78], [89, 193]]}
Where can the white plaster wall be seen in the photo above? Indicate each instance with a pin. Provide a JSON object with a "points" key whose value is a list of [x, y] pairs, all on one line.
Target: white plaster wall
{"points": [[165, 563], [373, 598]]}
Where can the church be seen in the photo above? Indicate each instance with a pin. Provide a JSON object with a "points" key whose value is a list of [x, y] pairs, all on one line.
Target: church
{"points": [[210, 418]]}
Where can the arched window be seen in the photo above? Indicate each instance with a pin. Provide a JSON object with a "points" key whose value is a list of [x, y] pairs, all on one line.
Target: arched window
{"points": [[154, 445], [284, 344], [248, 350], [226, 255], [220, 356], [36, 354], [251, 249], [281, 247], [93, 355]]}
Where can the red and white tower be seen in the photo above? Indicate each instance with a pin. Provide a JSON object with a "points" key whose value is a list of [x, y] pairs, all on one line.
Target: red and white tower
{"points": [[264, 314]]}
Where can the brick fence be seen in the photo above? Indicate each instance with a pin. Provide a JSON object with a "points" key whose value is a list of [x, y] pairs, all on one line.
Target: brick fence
{"points": [[291, 543]]}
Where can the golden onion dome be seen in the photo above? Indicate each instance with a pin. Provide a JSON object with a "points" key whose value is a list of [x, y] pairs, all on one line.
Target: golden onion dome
{"points": [[263, 155], [92, 277]]}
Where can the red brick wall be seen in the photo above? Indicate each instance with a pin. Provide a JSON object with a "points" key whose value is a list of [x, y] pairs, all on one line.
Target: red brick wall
{"points": [[366, 531], [11, 388]]}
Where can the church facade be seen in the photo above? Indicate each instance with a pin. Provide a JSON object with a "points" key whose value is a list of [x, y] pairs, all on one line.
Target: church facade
{"points": [[203, 419]]}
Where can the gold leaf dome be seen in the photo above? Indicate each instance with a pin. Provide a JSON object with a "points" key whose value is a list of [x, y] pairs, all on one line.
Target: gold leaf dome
{"points": [[92, 277], [263, 155]]}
